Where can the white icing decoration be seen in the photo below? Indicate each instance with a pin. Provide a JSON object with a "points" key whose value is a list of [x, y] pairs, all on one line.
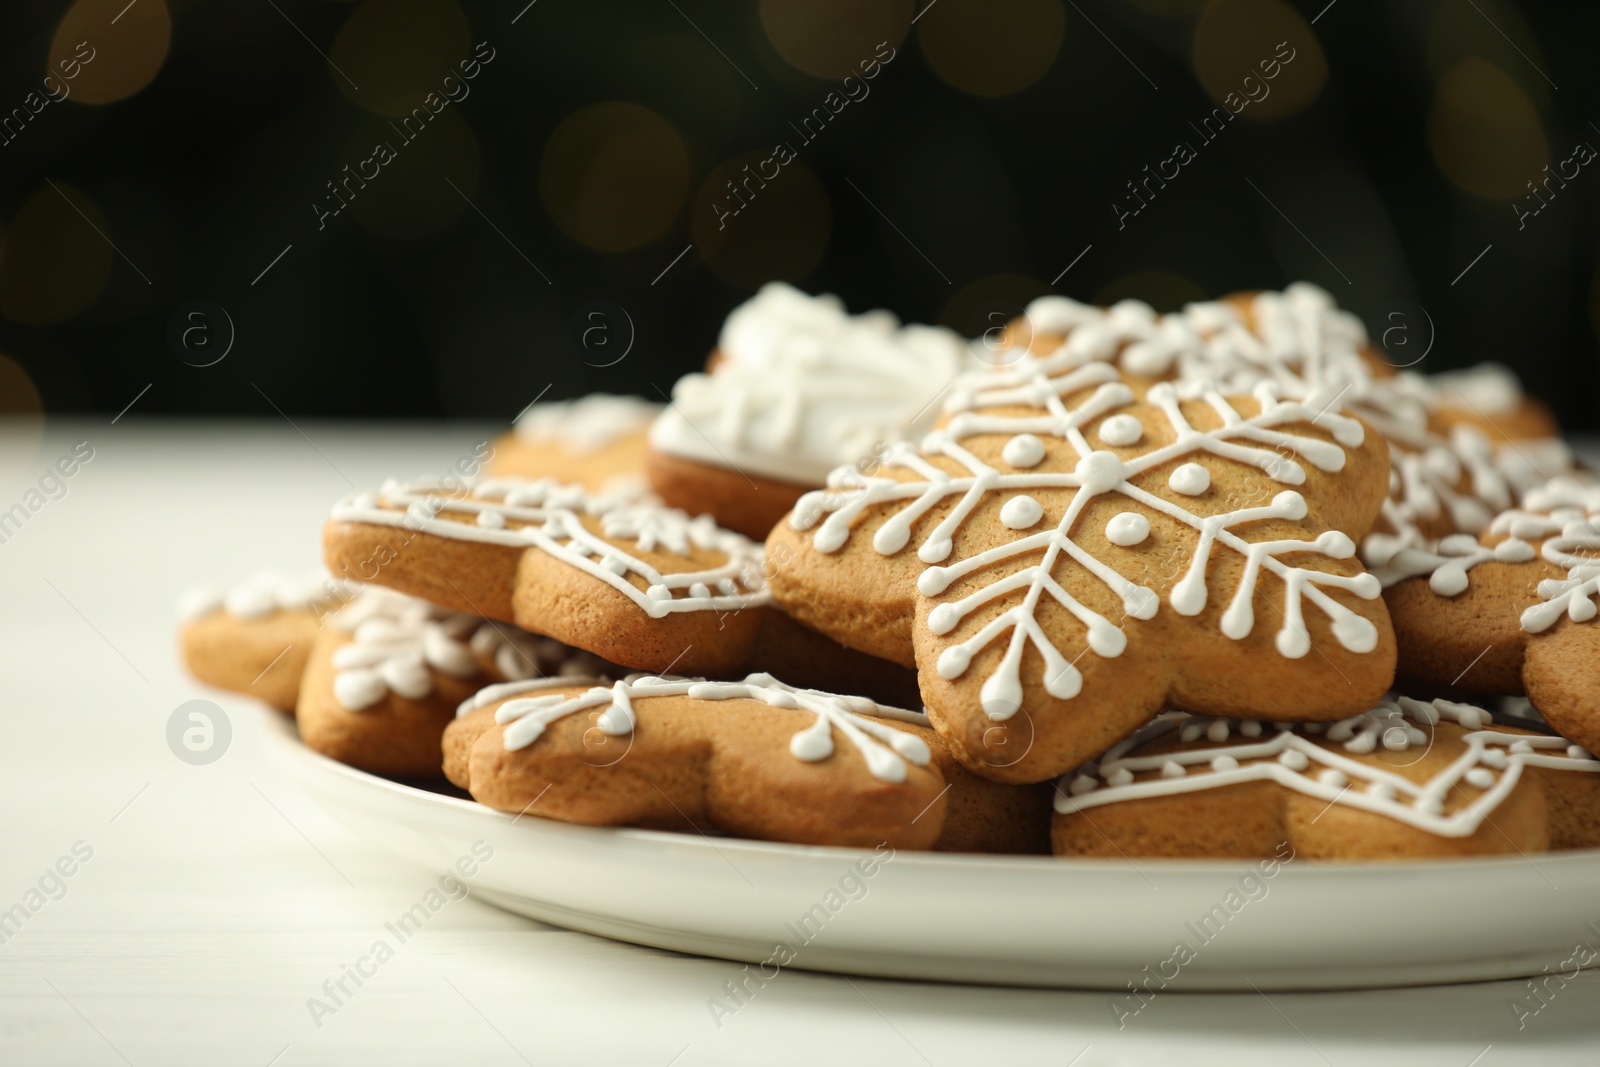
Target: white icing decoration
{"points": [[1043, 384], [1493, 763], [885, 749], [550, 516], [1023, 450], [1190, 479], [1127, 529], [1121, 431], [587, 424], [803, 387], [1021, 512], [1563, 516], [266, 592], [397, 641]]}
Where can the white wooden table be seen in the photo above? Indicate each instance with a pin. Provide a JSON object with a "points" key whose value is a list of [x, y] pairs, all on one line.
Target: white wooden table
{"points": [[216, 900]]}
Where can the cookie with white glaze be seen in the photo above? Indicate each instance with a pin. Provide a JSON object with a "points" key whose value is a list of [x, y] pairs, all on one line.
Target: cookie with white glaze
{"points": [[616, 574], [755, 758], [1510, 613], [388, 671], [1060, 560], [255, 637], [597, 441], [1406, 780], [796, 387]]}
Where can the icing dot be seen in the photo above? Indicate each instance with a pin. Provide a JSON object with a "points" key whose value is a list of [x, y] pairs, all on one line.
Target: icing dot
{"points": [[1121, 430], [1217, 731], [1190, 479], [1481, 777], [1172, 769], [1100, 472], [1082, 784], [1336, 778], [1120, 776], [491, 520], [1023, 450], [1495, 758], [1224, 763], [1295, 761], [1380, 791], [1250, 728], [1021, 512], [1127, 529], [1577, 752], [658, 592], [1522, 748]]}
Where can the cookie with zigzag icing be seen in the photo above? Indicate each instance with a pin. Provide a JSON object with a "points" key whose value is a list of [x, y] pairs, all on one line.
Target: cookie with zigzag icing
{"points": [[1061, 559], [1512, 612], [755, 758], [1408, 779], [619, 575]]}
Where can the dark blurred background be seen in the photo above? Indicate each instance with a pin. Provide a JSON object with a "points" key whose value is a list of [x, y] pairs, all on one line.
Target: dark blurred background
{"points": [[556, 224]]}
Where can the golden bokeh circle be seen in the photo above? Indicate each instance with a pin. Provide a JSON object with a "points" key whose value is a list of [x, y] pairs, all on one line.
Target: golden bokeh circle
{"points": [[614, 176], [991, 48], [396, 52], [1162, 290], [19, 397], [832, 38], [1237, 44], [53, 264], [772, 229], [97, 61], [411, 196], [1484, 132]]}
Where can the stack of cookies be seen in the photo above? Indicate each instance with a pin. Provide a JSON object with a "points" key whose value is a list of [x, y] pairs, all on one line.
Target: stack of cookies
{"points": [[1203, 584]]}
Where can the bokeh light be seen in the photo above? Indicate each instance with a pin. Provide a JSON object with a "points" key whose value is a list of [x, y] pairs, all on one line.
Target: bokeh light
{"points": [[1502, 37], [991, 47], [779, 232], [53, 264], [832, 38], [100, 61], [398, 51], [1232, 41], [1161, 289], [614, 176], [410, 197], [1484, 132]]}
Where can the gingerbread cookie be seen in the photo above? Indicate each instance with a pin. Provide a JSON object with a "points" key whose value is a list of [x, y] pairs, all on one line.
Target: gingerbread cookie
{"points": [[597, 441], [388, 672], [1061, 560], [1511, 612], [756, 758], [255, 637], [798, 386], [631, 581], [1406, 780]]}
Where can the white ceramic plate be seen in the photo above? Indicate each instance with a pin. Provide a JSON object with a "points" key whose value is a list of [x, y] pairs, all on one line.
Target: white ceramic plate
{"points": [[1015, 920]]}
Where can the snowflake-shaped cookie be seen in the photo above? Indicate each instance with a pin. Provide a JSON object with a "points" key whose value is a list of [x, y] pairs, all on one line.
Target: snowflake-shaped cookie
{"points": [[1056, 528]]}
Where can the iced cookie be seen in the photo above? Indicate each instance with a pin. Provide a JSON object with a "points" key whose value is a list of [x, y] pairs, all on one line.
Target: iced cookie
{"points": [[1061, 560], [631, 581], [797, 387], [1407, 780], [1511, 612], [755, 759], [388, 671], [596, 441], [255, 637]]}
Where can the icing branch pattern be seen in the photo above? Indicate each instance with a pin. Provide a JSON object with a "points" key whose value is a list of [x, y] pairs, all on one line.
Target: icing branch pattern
{"points": [[1561, 517], [885, 749], [1317, 761], [550, 516], [398, 641], [1260, 441]]}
